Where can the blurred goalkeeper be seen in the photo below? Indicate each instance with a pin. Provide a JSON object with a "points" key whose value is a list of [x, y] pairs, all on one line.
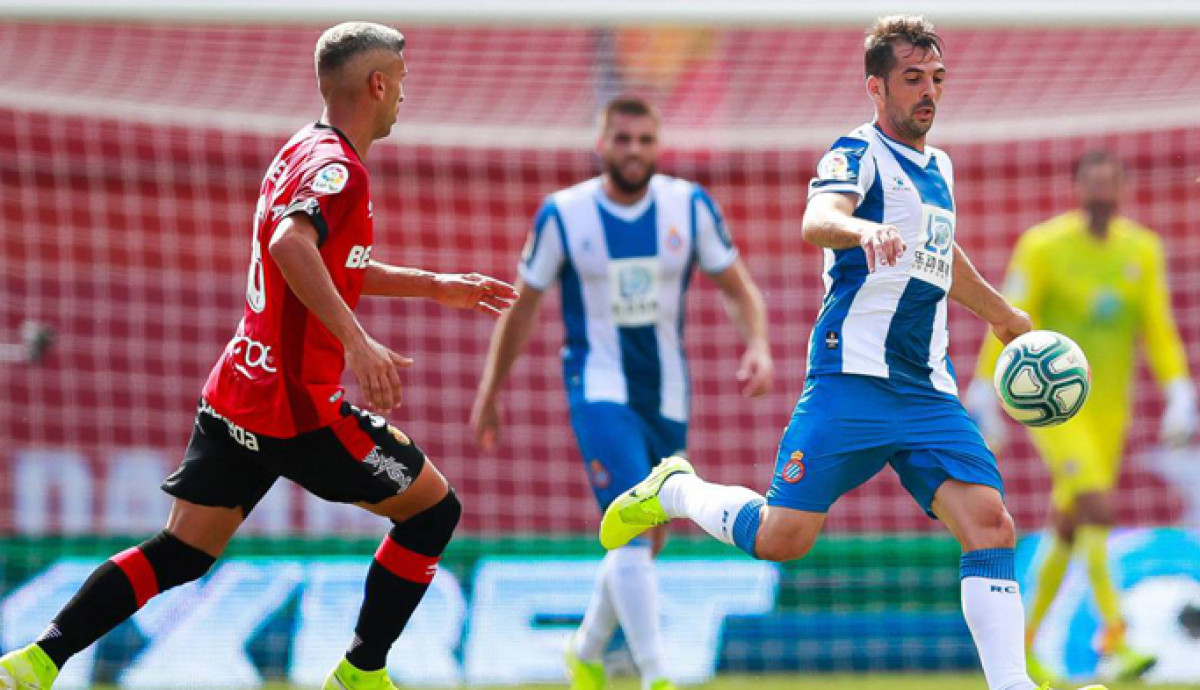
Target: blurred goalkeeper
{"points": [[1100, 279], [274, 406], [622, 248]]}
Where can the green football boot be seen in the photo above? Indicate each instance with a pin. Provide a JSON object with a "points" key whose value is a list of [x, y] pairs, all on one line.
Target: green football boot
{"points": [[584, 675], [346, 677], [638, 509], [27, 669]]}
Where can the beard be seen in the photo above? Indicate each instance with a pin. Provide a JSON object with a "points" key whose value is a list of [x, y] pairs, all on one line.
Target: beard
{"points": [[1100, 210], [907, 124], [625, 184]]}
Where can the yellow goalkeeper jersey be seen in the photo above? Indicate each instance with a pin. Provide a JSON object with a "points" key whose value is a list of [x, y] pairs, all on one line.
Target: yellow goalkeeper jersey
{"points": [[1105, 294]]}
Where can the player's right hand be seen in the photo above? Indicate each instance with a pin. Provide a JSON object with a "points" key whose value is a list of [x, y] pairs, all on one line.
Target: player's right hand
{"points": [[883, 246], [375, 367], [485, 422]]}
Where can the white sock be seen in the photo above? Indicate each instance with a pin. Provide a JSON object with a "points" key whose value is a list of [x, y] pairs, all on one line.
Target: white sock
{"points": [[715, 507], [600, 620], [633, 586], [996, 617]]}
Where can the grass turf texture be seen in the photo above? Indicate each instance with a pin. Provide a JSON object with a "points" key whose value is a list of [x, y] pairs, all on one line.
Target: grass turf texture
{"points": [[933, 681]]}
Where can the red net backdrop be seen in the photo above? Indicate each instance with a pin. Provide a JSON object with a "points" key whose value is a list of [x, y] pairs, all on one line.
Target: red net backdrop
{"points": [[130, 157]]}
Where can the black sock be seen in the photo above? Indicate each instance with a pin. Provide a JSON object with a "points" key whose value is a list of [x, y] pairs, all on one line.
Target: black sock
{"points": [[117, 589], [403, 567]]}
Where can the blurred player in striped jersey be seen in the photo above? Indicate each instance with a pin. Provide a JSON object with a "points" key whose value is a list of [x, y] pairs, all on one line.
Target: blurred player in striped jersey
{"points": [[880, 388], [273, 405], [1101, 279], [622, 248]]}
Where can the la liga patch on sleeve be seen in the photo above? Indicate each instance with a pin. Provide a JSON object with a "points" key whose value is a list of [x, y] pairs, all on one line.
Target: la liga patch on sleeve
{"points": [[835, 165], [331, 179]]}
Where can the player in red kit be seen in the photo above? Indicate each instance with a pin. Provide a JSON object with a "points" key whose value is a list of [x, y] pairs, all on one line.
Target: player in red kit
{"points": [[273, 405]]}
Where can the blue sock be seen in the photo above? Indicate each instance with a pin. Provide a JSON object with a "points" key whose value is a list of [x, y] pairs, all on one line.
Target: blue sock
{"points": [[997, 564], [745, 526]]}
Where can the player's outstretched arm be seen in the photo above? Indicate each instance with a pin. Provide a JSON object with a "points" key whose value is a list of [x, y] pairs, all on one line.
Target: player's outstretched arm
{"points": [[746, 309], [1165, 352], [973, 292], [508, 341], [294, 249], [457, 290], [829, 222]]}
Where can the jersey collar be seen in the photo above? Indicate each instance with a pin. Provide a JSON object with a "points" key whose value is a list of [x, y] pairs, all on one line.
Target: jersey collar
{"points": [[920, 158], [341, 135], [625, 213]]}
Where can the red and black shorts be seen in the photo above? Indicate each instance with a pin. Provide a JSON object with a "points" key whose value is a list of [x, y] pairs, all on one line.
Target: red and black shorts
{"points": [[358, 459]]}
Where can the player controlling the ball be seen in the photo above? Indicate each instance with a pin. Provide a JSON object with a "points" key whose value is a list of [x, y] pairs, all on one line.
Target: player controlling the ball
{"points": [[880, 388], [273, 405]]}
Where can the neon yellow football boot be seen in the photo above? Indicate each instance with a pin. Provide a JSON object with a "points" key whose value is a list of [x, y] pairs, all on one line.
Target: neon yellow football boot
{"points": [[662, 684], [1132, 664], [27, 669], [584, 675], [1038, 671], [638, 509], [346, 677]]}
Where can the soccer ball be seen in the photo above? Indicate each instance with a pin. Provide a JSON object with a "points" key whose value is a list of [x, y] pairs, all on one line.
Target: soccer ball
{"points": [[1042, 378]]}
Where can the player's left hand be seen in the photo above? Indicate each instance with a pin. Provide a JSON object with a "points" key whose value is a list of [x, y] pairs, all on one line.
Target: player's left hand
{"points": [[473, 291], [756, 371], [1014, 324], [1180, 418]]}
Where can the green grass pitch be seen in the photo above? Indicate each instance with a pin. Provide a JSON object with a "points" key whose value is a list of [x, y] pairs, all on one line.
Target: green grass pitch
{"points": [[936, 681]]}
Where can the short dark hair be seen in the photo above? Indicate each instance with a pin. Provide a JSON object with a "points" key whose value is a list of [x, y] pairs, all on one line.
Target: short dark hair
{"points": [[628, 105], [913, 29], [1094, 158], [340, 43]]}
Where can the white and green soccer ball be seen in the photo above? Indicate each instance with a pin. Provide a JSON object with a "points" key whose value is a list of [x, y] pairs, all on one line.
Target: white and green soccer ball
{"points": [[1042, 378]]}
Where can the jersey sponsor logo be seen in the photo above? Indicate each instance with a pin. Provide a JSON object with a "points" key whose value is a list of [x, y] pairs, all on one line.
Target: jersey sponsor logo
{"points": [[244, 438], [933, 258], [252, 354], [835, 166], [633, 291], [793, 469], [1004, 589], [359, 257], [331, 179]]}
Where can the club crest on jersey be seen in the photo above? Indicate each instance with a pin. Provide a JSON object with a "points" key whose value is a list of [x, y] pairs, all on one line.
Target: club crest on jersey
{"points": [[674, 241], [835, 166], [793, 469], [600, 477], [331, 179]]}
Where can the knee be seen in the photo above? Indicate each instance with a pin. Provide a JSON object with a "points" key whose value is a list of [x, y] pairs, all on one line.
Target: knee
{"points": [[1065, 531], [773, 546], [991, 528], [429, 531], [1095, 509], [174, 561]]}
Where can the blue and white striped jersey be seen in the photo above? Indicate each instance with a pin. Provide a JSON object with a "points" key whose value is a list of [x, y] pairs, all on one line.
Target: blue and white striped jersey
{"points": [[623, 272], [890, 323]]}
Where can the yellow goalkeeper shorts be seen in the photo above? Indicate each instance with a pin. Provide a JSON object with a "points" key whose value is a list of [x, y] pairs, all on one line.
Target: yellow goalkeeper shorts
{"points": [[1083, 456]]}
